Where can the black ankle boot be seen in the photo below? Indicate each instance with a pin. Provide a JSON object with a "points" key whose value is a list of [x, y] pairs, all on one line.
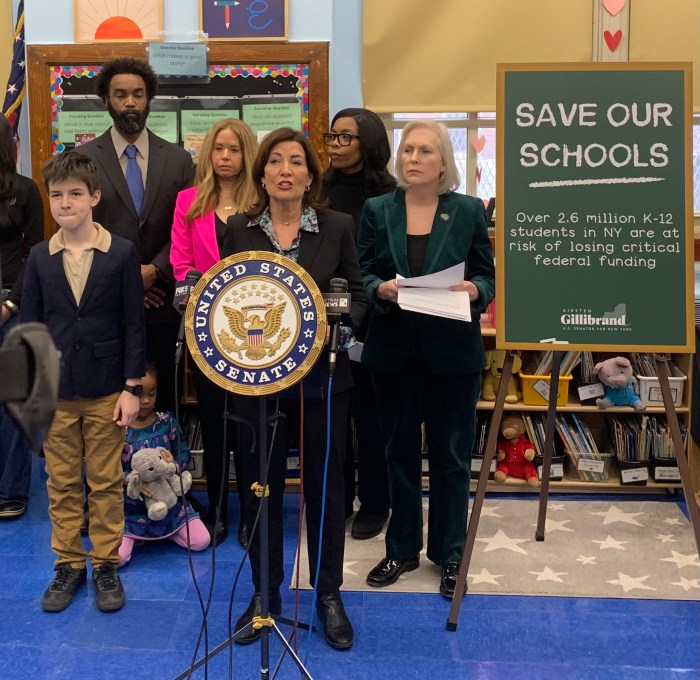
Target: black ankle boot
{"points": [[255, 609], [337, 628]]}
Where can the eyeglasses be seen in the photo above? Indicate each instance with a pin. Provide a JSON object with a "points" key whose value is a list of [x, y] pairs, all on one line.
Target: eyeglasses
{"points": [[344, 139]]}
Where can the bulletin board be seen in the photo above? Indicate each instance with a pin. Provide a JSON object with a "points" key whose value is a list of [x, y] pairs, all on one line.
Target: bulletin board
{"points": [[594, 232], [297, 70]]}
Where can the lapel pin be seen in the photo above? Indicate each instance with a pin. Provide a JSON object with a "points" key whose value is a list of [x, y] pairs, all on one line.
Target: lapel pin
{"points": [[445, 217]]}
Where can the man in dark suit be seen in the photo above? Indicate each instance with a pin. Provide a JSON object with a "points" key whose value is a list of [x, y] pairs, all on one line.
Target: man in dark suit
{"points": [[140, 176]]}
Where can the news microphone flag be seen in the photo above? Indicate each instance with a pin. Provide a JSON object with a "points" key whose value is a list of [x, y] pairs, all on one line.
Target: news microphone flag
{"points": [[14, 94]]}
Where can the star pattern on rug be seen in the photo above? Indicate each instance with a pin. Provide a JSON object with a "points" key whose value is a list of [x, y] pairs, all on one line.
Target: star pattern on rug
{"points": [[673, 521], [501, 541], [614, 514], [490, 511], [586, 559], [687, 583], [631, 582], [347, 567], [665, 538], [555, 525], [681, 560], [555, 507], [610, 542], [485, 576], [548, 575]]}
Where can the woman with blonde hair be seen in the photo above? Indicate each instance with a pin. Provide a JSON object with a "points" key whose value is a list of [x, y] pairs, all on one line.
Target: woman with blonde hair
{"points": [[223, 187], [425, 368]]}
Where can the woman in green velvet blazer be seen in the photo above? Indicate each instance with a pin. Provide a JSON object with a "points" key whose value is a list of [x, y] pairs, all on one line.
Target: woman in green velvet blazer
{"points": [[425, 368]]}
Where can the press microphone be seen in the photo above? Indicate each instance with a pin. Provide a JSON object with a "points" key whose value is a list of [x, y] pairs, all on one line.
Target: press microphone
{"points": [[30, 369], [337, 302], [183, 291]]}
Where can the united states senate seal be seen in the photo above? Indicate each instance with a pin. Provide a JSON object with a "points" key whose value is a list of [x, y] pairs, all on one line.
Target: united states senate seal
{"points": [[255, 323]]}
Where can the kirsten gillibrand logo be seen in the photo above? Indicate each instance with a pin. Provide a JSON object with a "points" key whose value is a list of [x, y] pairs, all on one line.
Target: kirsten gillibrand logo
{"points": [[256, 323], [583, 319]]}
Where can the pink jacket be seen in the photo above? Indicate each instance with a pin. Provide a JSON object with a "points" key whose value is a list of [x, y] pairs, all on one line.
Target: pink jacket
{"points": [[192, 246]]}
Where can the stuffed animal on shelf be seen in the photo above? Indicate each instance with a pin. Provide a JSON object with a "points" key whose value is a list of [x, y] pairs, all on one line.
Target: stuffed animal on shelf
{"points": [[515, 453], [155, 468], [621, 387], [495, 358]]}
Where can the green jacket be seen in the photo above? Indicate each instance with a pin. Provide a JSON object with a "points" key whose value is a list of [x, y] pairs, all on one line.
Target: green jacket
{"points": [[458, 234]]}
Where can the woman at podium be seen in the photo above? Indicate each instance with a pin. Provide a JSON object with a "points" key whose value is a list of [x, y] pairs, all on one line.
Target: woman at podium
{"points": [[290, 218]]}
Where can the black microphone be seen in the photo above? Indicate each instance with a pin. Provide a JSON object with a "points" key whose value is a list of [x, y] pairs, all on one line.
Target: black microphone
{"points": [[183, 291], [337, 303]]}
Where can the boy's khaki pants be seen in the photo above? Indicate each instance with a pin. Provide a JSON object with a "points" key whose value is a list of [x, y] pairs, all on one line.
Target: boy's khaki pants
{"points": [[82, 430]]}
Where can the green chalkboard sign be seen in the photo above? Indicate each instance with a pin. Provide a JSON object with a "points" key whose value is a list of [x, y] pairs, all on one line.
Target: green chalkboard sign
{"points": [[594, 216]]}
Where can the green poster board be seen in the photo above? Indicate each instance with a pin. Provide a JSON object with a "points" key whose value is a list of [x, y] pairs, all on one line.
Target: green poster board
{"points": [[594, 228], [265, 114]]}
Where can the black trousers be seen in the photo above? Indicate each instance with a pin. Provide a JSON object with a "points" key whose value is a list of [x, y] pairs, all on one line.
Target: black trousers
{"points": [[372, 481], [211, 406], [160, 349], [331, 568]]}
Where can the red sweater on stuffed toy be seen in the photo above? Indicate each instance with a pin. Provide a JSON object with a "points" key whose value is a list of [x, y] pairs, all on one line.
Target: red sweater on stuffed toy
{"points": [[515, 453]]}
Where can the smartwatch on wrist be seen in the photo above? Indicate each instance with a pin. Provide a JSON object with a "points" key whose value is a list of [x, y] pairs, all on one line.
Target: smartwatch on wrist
{"points": [[136, 390], [11, 307]]}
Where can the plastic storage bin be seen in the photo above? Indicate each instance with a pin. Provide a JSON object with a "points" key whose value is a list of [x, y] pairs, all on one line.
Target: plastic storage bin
{"points": [[650, 390], [556, 472], [633, 472], [196, 464], [590, 467], [665, 470], [532, 385]]}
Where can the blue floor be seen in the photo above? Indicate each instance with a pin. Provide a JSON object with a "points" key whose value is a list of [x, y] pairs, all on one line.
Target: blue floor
{"points": [[397, 636]]}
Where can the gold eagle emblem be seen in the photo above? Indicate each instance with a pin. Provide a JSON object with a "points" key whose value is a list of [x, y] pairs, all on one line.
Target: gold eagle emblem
{"points": [[254, 326]]}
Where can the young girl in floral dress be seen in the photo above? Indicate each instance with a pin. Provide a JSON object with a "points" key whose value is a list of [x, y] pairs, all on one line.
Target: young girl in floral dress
{"points": [[151, 430]]}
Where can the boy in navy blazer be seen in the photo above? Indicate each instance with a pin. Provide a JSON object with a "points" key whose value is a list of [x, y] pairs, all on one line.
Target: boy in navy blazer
{"points": [[85, 285]]}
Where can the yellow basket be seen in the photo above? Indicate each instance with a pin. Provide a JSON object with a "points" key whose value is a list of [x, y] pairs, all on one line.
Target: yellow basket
{"points": [[531, 385]]}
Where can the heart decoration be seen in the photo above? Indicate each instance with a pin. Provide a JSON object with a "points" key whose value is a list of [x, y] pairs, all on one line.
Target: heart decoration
{"points": [[614, 7], [478, 143], [478, 175], [613, 40]]}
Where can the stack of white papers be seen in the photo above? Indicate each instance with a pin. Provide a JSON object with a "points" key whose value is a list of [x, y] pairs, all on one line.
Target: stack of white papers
{"points": [[429, 294]]}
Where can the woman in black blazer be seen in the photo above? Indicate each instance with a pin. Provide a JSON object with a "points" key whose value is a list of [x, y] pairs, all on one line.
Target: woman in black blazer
{"points": [[290, 219], [21, 227]]}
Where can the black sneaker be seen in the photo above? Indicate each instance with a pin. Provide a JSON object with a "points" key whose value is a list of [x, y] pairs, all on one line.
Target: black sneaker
{"points": [[12, 509], [60, 593], [109, 594]]}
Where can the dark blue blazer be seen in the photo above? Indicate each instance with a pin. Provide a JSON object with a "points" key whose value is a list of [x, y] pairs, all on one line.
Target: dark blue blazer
{"points": [[103, 340]]}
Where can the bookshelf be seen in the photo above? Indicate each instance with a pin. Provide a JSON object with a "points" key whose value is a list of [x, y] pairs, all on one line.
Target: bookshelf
{"points": [[613, 484]]}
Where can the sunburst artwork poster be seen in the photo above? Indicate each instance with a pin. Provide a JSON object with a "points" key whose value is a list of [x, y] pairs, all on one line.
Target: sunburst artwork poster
{"points": [[118, 20]]}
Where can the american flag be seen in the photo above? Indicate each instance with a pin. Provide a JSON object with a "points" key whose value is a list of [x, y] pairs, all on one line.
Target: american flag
{"points": [[15, 83]]}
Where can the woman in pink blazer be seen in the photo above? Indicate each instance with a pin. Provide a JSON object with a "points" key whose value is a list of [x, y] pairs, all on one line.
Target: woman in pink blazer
{"points": [[223, 187]]}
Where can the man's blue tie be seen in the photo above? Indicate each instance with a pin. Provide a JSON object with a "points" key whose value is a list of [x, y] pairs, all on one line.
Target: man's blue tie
{"points": [[134, 179]]}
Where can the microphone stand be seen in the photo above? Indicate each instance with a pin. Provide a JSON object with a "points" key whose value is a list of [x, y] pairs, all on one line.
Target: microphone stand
{"points": [[264, 622]]}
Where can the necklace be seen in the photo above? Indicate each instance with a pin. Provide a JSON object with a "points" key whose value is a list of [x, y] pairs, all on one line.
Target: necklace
{"points": [[286, 223]]}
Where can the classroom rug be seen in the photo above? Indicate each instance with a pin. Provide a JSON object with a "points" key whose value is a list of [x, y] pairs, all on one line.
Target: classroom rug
{"points": [[629, 549]]}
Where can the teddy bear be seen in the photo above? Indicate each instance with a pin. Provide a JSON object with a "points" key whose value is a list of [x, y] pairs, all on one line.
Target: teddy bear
{"points": [[495, 358], [515, 453], [155, 468], [621, 387]]}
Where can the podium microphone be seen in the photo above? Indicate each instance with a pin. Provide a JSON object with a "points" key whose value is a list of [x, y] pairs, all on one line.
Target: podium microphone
{"points": [[183, 291], [337, 303]]}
